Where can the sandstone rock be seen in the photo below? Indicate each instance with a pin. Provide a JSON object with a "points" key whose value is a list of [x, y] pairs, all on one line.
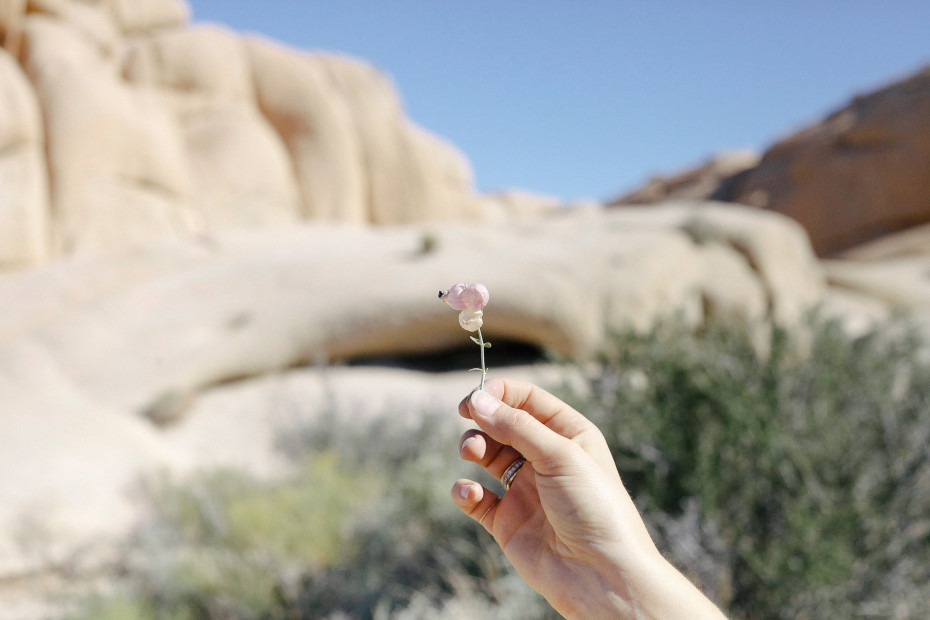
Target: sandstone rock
{"points": [[24, 225], [11, 24], [861, 173], [116, 158], [700, 183], [209, 61], [731, 289], [144, 15], [98, 343], [239, 169], [265, 301], [411, 174], [911, 242], [295, 94], [91, 22], [357, 158], [505, 205], [901, 283]]}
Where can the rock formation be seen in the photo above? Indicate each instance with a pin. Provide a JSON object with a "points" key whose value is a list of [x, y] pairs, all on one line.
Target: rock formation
{"points": [[121, 124], [861, 173], [199, 230], [101, 351]]}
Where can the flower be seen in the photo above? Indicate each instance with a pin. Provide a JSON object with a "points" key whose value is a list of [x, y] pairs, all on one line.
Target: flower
{"points": [[471, 297], [471, 320], [470, 300], [476, 296], [453, 296]]}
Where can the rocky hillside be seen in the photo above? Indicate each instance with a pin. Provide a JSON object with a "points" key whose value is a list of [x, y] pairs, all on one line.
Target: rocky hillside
{"points": [[123, 124], [859, 174], [200, 232]]}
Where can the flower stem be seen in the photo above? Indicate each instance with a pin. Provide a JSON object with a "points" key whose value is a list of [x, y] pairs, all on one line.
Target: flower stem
{"points": [[484, 370]]}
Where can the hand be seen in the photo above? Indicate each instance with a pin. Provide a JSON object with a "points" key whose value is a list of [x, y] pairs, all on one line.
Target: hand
{"points": [[567, 524]]}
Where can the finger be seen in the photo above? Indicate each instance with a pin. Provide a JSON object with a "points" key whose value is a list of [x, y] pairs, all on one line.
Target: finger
{"points": [[489, 453], [536, 401], [550, 453], [475, 501]]}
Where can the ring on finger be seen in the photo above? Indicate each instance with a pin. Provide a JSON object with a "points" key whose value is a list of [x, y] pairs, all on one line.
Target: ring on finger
{"points": [[511, 472]]}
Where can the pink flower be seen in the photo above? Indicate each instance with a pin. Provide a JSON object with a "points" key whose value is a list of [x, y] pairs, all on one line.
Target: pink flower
{"points": [[476, 296], [453, 297], [471, 297]]}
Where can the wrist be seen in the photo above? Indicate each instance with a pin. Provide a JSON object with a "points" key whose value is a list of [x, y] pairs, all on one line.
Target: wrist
{"points": [[642, 585]]}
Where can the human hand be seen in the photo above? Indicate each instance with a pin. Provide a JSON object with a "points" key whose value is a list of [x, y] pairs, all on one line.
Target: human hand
{"points": [[566, 524]]}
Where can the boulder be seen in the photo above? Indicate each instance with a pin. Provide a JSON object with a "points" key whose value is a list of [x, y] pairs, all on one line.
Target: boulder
{"points": [[246, 304], [205, 61], [295, 94], [240, 171], [90, 21], [116, 157], [356, 156], [11, 24], [702, 182], [24, 207], [197, 352], [134, 16], [861, 173]]}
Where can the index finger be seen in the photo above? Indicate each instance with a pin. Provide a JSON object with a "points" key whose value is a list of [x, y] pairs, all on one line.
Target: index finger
{"points": [[539, 403]]}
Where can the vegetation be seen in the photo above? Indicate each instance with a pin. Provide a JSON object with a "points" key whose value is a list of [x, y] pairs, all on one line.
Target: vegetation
{"points": [[790, 480]]}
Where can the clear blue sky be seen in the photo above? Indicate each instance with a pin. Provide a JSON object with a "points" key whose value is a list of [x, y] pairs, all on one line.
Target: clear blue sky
{"points": [[589, 98]]}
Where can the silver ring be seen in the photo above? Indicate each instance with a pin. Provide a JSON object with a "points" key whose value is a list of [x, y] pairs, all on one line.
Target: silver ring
{"points": [[511, 472]]}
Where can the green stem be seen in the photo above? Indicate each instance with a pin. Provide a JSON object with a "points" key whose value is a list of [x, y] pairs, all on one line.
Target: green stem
{"points": [[484, 370]]}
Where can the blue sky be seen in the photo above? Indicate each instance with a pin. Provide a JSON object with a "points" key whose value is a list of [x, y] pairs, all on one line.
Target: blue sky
{"points": [[589, 98]]}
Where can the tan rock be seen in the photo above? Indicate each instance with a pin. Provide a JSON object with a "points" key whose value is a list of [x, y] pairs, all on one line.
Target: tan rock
{"points": [[24, 208], [357, 158], [240, 170], [105, 355], [209, 61], [505, 205], [861, 173], [910, 242], [295, 94], [702, 182], [267, 300], [730, 287], [145, 15], [91, 21], [412, 175], [901, 283], [11, 24], [116, 157]]}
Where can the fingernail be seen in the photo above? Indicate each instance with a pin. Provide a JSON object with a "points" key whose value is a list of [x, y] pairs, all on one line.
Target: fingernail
{"points": [[465, 442], [465, 491], [485, 405]]}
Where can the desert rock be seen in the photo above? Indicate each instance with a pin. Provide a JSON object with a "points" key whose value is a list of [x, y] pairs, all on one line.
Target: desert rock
{"points": [[24, 226], [861, 173]]}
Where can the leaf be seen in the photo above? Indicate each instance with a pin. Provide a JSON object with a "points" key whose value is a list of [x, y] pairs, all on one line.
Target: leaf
{"points": [[475, 340], [478, 369], [487, 345]]}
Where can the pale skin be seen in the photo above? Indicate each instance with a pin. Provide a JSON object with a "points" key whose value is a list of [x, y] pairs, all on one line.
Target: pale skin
{"points": [[567, 524]]}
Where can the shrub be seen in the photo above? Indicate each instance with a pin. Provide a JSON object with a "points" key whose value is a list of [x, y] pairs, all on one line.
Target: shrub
{"points": [[365, 530], [794, 483], [789, 484]]}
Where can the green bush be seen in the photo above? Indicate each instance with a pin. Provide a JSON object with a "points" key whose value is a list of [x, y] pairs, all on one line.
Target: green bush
{"points": [[791, 483], [365, 530]]}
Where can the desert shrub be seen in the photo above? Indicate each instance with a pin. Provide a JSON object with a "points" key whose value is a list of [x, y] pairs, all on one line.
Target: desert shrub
{"points": [[789, 476], [790, 479], [366, 529]]}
